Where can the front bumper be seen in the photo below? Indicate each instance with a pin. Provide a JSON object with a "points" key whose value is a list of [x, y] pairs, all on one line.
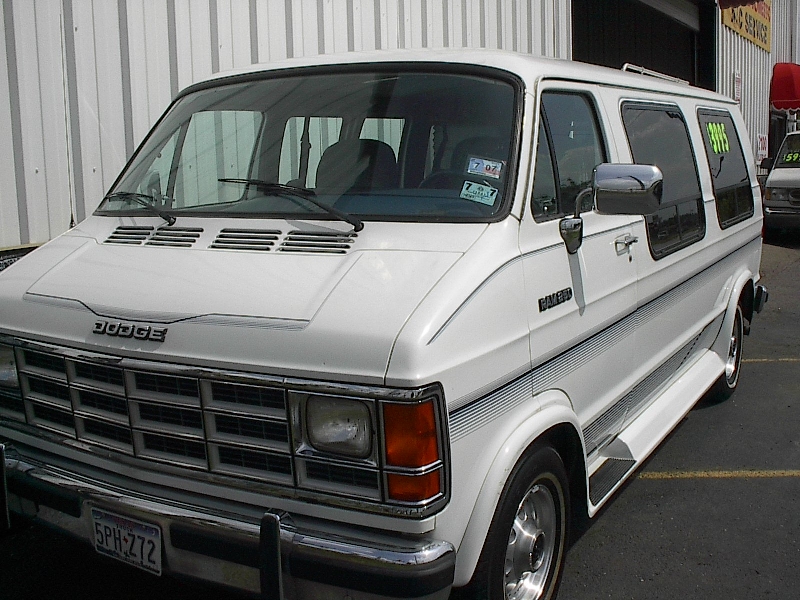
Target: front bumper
{"points": [[275, 558], [782, 217]]}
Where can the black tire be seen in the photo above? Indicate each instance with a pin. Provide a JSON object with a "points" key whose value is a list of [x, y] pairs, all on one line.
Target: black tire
{"points": [[729, 380], [18, 523], [534, 508]]}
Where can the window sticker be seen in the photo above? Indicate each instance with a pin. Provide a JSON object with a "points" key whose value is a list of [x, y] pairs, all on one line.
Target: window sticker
{"points": [[477, 192], [791, 157], [718, 137], [484, 167]]}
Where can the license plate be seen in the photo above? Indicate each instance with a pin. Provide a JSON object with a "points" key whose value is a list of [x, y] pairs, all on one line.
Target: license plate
{"points": [[134, 542]]}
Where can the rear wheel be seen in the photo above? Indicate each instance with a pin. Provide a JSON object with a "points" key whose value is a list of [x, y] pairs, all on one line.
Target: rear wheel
{"points": [[524, 551], [729, 380]]}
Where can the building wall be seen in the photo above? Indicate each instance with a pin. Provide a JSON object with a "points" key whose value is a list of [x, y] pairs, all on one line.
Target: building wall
{"points": [[754, 65], [82, 81]]}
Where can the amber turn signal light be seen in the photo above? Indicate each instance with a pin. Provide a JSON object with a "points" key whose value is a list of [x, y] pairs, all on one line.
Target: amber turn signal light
{"points": [[414, 488], [410, 434]]}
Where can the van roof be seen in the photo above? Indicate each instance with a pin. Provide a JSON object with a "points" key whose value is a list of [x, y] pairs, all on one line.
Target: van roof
{"points": [[529, 68]]}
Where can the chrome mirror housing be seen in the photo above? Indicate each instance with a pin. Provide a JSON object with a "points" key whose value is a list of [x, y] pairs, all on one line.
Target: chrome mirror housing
{"points": [[626, 189]]}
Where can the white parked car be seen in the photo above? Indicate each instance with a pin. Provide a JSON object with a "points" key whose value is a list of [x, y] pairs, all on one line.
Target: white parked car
{"points": [[782, 188], [382, 325]]}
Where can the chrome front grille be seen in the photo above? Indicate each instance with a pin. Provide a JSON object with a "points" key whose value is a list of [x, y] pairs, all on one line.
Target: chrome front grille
{"points": [[11, 404], [193, 422], [237, 429]]}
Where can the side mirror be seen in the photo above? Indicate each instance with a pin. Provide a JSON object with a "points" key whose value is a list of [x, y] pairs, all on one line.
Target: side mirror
{"points": [[571, 229], [767, 163], [625, 189]]}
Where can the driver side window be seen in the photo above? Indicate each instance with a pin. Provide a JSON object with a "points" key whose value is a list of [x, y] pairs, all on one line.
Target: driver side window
{"points": [[570, 147]]}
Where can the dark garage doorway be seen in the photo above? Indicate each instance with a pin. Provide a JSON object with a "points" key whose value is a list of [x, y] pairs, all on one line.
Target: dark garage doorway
{"points": [[615, 32]]}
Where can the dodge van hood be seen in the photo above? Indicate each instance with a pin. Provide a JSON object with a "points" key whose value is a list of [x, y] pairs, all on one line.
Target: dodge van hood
{"points": [[165, 286], [333, 315]]}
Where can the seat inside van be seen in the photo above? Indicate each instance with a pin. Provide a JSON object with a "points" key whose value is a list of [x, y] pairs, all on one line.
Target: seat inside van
{"points": [[356, 166]]}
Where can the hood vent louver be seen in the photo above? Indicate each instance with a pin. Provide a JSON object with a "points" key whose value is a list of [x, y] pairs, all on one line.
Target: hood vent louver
{"points": [[129, 234], [258, 240], [179, 237], [262, 240], [317, 242]]}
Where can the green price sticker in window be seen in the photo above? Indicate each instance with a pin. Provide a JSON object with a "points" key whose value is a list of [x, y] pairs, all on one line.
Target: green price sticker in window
{"points": [[718, 137], [791, 157]]}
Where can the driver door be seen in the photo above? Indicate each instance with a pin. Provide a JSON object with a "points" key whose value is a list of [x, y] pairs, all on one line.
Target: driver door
{"points": [[579, 304]]}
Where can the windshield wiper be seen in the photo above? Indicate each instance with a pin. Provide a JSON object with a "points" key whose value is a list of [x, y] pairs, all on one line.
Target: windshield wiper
{"points": [[149, 202], [283, 189]]}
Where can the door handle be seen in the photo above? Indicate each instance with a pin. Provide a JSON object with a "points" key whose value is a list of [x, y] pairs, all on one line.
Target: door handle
{"points": [[623, 244]]}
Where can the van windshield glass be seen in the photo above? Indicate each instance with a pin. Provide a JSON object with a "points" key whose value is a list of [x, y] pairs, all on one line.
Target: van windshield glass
{"points": [[415, 146]]}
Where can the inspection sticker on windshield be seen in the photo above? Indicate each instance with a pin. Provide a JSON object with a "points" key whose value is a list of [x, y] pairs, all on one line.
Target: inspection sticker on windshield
{"points": [[484, 167], [477, 192]]}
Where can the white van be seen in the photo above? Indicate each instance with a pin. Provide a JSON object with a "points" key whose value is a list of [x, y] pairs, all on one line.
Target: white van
{"points": [[382, 325]]}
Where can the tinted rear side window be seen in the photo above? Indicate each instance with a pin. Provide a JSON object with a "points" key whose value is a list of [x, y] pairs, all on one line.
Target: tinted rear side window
{"points": [[728, 170], [657, 135]]}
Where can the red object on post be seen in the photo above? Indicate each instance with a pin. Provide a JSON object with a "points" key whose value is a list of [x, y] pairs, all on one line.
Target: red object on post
{"points": [[784, 93]]}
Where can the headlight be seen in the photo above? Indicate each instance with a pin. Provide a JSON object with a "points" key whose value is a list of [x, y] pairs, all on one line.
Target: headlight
{"points": [[777, 194], [339, 426]]}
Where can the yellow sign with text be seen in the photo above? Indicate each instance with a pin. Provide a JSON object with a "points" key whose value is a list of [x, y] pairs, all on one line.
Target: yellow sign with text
{"points": [[752, 22]]}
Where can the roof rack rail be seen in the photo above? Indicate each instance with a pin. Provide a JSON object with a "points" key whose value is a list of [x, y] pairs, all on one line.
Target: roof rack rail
{"points": [[631, 68]]}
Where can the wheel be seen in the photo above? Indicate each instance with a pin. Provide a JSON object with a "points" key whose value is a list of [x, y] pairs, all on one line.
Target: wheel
{"points": [[524, 551], [726, 384], [18, 523]]}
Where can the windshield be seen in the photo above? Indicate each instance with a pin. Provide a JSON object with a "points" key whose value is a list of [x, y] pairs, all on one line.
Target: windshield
{"points": [[789, 154], [358, 145]]}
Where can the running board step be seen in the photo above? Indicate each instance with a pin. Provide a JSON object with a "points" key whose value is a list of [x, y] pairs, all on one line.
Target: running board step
{"points": [[610, 473]]}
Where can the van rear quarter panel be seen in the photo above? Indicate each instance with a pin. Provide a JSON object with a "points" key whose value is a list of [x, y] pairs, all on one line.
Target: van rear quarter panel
{"points": [[683, 292]]}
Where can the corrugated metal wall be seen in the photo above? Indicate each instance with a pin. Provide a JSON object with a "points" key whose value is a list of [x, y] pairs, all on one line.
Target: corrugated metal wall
{"points": [[754, 65], [785, 27], [82, 81]]}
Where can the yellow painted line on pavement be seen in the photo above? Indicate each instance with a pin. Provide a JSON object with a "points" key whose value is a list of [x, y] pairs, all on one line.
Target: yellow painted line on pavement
{"points": [[771, 360], [743, 474]]}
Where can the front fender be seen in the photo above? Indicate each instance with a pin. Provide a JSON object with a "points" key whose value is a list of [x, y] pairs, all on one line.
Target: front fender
{"points": [[556, 410]]}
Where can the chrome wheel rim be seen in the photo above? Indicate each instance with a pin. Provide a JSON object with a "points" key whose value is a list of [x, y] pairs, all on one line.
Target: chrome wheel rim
{"points": [[531, 546], [734, 351]]}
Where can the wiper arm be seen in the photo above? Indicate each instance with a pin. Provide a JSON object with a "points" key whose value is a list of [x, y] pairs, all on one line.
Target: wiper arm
{"points": [[271, 187], [147, 201]]}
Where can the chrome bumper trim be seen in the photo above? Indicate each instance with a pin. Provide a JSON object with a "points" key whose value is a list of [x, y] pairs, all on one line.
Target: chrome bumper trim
{"points": [[274, 557]]}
